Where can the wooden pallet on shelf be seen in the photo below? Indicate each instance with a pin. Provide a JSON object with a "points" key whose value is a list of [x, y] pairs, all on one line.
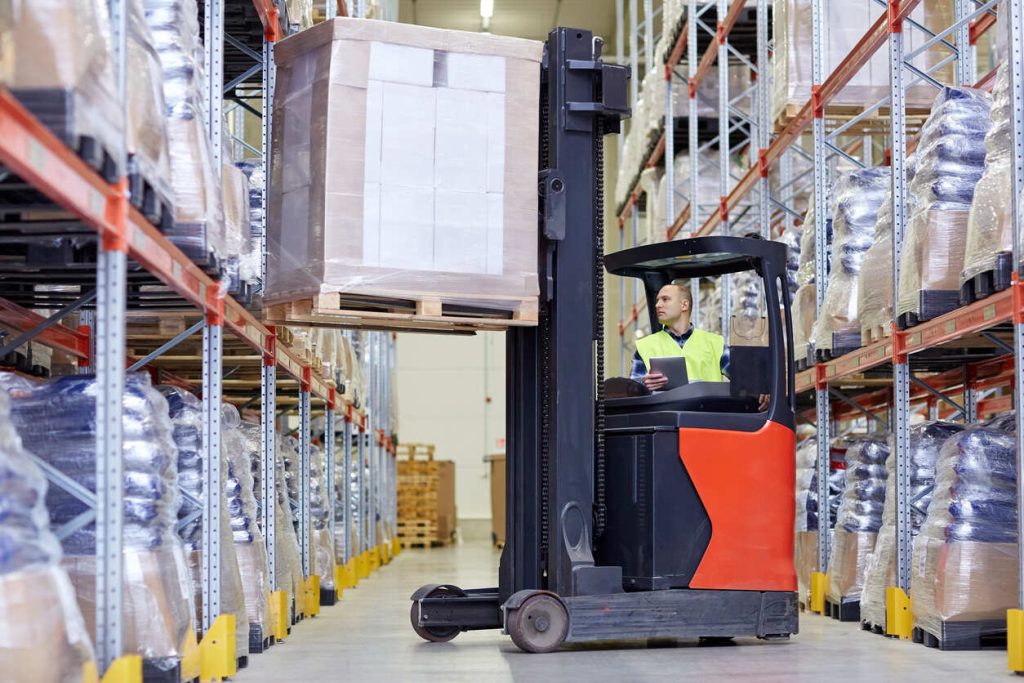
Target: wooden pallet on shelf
{"points": [[423, 313], [873, 333], [837, 114]]}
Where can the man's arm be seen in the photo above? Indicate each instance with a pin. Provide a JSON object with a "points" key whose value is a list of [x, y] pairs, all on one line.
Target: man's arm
{"points": [[639, 369]]}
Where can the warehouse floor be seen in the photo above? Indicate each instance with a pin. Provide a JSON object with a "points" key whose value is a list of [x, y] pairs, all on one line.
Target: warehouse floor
{"points": [[367, 637]]}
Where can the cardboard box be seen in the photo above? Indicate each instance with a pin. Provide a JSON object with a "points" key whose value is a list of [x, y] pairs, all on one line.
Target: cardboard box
{"points": [[157, 599], [42, 634], [498, 511], [848, 562], [404, 164], [446, 516], [961, 581], [806, 562]]}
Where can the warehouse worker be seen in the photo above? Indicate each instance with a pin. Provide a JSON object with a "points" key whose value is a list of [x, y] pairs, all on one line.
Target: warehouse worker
{"points": [[707, 357]]}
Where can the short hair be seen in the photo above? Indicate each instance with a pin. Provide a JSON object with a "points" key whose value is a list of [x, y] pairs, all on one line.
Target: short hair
{"points": [[684, 287]]}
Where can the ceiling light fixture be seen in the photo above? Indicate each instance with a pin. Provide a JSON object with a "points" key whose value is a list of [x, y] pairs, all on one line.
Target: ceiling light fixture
{"points": [[486, 12]]}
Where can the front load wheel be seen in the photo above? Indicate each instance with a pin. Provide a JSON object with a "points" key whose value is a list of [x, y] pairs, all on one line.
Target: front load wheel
{"points": [[434, 634], [540, 624]]}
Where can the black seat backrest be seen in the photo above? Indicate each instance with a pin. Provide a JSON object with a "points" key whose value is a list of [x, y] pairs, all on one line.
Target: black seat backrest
{"points": [[750, 370]]}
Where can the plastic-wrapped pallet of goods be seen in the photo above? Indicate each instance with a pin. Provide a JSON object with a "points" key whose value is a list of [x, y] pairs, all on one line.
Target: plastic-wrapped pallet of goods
{"points": [[247, 531], [874, 303], [198, 228], [458, 182], [845, 25], [61, 66], [857, 197], [322, 541], [186, 414], [56, 417], [964, 569], [288, 555], [925, 442], [236, 230], [951, 157], [987, 252], [42, 633], [858, 519], [149, 164], [804, 300], [805, 519]]}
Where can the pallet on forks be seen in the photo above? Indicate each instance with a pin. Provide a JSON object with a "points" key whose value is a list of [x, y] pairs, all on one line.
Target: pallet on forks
{"points": [[577, 564]]}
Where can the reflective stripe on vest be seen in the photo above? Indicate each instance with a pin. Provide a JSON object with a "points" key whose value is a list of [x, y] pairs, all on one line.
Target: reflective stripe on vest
{"points": [[703, 352]]}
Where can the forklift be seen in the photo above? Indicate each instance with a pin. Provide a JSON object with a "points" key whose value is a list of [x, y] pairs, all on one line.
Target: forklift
{"points": [[631, 515]]}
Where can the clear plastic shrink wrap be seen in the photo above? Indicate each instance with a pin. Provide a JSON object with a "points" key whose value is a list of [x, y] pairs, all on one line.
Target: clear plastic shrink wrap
{"points": [[58, 419], [445, 165], [845, 24], [804, 301], [710, 309], [62, 68], [965, 558], [42, 633], [651, 224], [989, 228], [198, 205], [288, 562], [319, 513], [186, 414], [874, 305], [236, 227], [146, 130], [251, 262], [806, 542], [247, 530], [859, 516], [300, 13], [792, 237], [951, 157], [857, 197], [925, 441]]}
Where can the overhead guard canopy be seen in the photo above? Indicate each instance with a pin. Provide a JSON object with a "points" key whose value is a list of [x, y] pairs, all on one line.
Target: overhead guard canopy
{"points": [[697, 257]]}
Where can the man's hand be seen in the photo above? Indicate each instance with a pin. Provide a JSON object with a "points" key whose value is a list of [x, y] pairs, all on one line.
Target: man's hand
{"points": [[762, 402], [655, 381]]}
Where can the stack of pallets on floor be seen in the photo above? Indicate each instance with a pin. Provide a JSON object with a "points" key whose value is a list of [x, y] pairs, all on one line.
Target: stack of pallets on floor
{"points": [[426, 497]]}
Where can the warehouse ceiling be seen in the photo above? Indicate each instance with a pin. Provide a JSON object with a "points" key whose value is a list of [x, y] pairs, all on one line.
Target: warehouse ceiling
{"points": [[523, 18]]}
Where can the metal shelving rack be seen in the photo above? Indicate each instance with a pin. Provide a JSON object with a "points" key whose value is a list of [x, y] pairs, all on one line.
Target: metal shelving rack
{"points": [[902, 374], [45, 164]]}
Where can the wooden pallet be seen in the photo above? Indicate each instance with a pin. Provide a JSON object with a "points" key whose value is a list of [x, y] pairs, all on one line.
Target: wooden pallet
{"points": [[413, 451], [873, 333], [837, 115], [426, 314]]}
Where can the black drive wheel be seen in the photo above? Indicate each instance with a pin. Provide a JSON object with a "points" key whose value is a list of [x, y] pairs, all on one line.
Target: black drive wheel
{"points": [[434, 634], [540, 624]]}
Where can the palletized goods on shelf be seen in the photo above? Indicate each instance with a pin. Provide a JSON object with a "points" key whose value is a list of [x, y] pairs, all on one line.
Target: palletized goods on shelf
{"points": [[965, 564], [989, 228], [859, 516], [57, 418], [42, 633], [61, 65], [925, 442], [874, 305], [950, 156], [857, 197]]}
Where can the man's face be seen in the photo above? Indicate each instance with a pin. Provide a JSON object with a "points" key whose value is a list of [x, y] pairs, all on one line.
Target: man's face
{"points": [[670, 304]]}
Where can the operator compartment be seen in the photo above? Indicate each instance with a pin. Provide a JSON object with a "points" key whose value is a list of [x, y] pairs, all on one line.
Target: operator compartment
{"points": [[690, 470]]}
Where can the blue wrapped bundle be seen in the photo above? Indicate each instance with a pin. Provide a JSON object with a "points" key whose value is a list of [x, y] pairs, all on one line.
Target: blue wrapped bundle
{"points": [[975, 488], [951, 161], [58, 417], [864, 495]]}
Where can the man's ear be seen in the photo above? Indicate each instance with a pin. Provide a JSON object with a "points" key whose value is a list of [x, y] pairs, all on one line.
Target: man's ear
{"points": [[686, 305]]}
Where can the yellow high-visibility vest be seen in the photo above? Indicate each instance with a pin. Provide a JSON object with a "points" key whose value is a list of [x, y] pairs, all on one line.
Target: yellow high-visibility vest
{"points": [[702, 350]]}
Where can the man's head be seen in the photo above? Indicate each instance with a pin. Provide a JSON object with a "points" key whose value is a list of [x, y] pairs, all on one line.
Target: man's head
{"points": [[674, 302]]}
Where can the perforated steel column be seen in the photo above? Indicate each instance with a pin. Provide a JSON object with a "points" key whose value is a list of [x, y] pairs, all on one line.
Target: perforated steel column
{"points": [[213, 341]]}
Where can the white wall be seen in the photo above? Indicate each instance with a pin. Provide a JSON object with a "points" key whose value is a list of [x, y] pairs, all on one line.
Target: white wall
{"points": [[444, 383]]}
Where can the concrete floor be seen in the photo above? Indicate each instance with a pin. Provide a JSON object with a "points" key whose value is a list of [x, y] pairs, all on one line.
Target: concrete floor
{"points": [[367, 637]]}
